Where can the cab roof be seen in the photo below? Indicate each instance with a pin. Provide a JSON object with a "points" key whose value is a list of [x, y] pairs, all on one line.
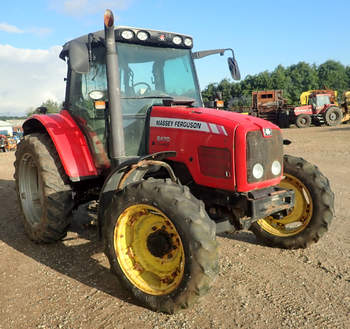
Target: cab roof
{"points": [[155, 38]]}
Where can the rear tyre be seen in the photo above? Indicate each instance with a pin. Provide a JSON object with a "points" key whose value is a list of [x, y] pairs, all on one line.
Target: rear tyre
{"points": [[333, 116], [161, 244], [43, 191], [311, 215], [303, 121]]}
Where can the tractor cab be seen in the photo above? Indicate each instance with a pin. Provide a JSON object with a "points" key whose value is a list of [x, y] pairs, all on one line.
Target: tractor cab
{"points": [[155, 68], [319, 101]]}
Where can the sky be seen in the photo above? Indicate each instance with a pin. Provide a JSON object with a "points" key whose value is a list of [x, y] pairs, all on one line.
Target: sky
{"points": [[263, 35]]}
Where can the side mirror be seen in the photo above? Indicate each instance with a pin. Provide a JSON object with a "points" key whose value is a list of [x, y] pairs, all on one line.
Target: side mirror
{"points": [[79, 57], [234, 69], [232, 63]]}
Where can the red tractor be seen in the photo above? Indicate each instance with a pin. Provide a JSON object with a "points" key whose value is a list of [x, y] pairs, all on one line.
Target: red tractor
{"points": [[168, 174], [321, 108]]}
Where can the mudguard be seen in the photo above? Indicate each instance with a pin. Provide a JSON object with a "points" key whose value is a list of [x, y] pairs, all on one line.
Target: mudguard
{"points": [[128, 172], [69, 141]]}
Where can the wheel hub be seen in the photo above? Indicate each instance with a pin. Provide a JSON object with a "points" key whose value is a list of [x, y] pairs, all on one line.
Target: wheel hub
{"points": [[30, 189], [333, 116], [297, 218], [149, 249], [159, 243]]}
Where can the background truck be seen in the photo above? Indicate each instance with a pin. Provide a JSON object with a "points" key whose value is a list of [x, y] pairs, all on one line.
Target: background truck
{"points": [[271, 105], [168, 174]]}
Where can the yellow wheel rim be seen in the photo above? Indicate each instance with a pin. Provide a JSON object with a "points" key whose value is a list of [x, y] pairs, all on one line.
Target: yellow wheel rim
{"points": [[149, 249], [298, 218]]}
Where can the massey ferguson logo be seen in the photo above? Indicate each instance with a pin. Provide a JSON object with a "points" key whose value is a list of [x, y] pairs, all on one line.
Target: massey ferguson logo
{"points": [[178, 124], [188, 125], [267, 131]]}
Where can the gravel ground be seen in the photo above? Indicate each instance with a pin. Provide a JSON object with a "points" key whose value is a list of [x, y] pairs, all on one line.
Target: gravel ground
{"points": [[68, 284]]}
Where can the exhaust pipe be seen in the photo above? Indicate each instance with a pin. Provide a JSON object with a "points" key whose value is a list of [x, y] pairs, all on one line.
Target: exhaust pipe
{"points": [[117, 143]]}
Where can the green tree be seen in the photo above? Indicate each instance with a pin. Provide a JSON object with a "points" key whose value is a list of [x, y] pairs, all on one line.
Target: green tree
{"points": [[333, 75], [293, 80], [52, 107], [225, 88], [208, 94], [303, 77]]}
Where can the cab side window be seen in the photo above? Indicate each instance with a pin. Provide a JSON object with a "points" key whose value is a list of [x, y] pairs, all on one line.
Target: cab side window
{"points": [[81, 106]]}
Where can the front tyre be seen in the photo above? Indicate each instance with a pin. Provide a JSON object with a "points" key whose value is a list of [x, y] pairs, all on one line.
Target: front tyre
{"points": [[303, 121], [43, 191], [311, 215], [333, 116], [161, 244]]}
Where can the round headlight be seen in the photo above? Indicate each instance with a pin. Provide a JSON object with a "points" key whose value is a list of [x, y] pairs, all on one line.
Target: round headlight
{"points": [[258, 171], [276, 168], [177, 40], [188, 42], [142, 35], [127, 34]]}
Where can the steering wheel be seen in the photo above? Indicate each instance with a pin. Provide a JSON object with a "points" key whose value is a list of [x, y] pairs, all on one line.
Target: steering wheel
{"points": [[147, 91]]}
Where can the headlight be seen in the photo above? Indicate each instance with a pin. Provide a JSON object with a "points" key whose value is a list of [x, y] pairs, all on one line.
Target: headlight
{"points": [[188, 42], [258, 171], [177, 40], [127, 34], [142, 35], [276, 168]]}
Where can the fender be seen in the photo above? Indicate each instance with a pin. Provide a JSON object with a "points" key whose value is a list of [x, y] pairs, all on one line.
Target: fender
{"points": [[327, 107], [69, 142], [130, 171]]}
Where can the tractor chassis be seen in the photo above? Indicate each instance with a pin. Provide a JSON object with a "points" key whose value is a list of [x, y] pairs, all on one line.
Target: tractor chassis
{"points": [[240, 210]]}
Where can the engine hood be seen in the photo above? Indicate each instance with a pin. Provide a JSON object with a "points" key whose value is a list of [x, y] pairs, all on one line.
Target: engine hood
{"points": [[206, 139], [236, 119], [229, 120]]}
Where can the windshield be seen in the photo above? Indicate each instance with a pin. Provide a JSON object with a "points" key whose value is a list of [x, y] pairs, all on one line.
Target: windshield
{"points": [[156, 72], [322, 100]]}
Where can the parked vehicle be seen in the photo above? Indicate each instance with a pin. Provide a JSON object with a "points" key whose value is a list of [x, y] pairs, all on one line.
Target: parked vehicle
{"points": [[271, 105], [11, 144], [168, 174], [317, 107], [7, 143], [321, 109], [346, 106], [3, 143]]}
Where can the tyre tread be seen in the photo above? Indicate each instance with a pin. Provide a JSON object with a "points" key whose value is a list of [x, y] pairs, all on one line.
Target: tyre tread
{"points": [[58, 202], [204, 250]]}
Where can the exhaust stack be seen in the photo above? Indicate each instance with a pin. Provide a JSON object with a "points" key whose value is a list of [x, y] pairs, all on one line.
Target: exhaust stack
{"points": [[117, 143]]}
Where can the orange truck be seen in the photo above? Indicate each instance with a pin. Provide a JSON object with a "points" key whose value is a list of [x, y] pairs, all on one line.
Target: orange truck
{"points": [[271, 105]]}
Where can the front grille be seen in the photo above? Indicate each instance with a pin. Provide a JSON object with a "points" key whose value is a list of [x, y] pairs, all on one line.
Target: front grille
{"points": [[263, 150]]}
